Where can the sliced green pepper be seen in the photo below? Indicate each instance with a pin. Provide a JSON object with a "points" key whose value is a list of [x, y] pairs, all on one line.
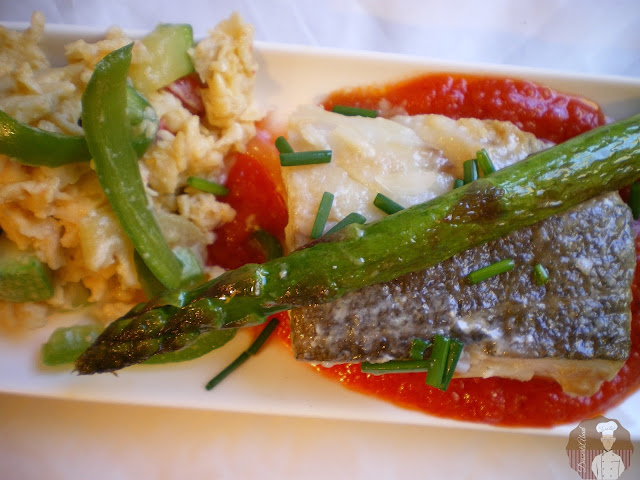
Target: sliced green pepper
{"points": [[33, 146], [66, 344], [36, 147], [104, 119], [143, 121]]}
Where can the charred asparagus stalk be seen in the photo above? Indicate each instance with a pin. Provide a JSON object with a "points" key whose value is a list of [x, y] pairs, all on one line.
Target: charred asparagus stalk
{"points": [[547, 183]]}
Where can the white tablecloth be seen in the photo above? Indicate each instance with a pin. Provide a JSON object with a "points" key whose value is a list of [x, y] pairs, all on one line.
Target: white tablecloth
{"points": [[56, 439]]}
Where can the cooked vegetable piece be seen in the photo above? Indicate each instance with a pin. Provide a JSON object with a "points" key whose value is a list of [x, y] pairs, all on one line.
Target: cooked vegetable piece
{"points": [[23, 278], [192, 273], [151, 286], [168, 47], [547, 183], [143, 121], [458, 182], [36, 147], [33, 146], [66, 344], [104, 120], [205, 343]]}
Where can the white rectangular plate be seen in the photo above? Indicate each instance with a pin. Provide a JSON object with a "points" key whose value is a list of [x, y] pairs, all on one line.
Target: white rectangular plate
{"points": [[274, 383]]}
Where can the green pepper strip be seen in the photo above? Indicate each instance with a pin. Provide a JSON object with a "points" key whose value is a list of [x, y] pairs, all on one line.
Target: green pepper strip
{"points": [[40, 148], [36, 147], [104, 120]]}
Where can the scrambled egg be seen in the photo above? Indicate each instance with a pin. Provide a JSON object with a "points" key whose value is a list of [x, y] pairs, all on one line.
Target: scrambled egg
{"points": [[62, 213]]}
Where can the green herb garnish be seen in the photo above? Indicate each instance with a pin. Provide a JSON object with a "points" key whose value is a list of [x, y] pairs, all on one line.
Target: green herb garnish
{"points": [[540, 274], [485, 163], [311, 157], [322, 215], [489, 271], [387, 205], [207, 186], [348, 220], [418, 348], [283, 145], [470, 168], [354, 111], [244, 356]]}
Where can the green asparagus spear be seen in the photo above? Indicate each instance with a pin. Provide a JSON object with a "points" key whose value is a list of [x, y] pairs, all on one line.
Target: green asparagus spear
{"points": [[547, 183]]}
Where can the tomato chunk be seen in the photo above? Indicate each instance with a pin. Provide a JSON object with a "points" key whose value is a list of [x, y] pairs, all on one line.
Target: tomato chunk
{"points": [[256, 194]]}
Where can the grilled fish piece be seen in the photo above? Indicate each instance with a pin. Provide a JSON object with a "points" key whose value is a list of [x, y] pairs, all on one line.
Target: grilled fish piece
{"points": [[575, 328]]}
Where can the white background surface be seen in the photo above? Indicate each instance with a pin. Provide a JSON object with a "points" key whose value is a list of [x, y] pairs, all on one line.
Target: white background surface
{"points": [[54, 439]]}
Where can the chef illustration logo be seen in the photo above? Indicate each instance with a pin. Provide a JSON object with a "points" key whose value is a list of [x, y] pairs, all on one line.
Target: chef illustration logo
{"points": [[600, 448]]}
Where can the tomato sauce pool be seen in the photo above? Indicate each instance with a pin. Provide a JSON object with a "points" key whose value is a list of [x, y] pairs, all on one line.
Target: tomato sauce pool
{"points": [[544, 112]]}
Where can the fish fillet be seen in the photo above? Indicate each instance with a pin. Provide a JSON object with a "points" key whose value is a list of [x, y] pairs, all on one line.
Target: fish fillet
{"points": [[574, 329]]}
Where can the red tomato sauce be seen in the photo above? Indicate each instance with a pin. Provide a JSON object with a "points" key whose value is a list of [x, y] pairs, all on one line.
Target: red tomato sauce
{"points": [[534, 108], [256, 193], [539, 402]]}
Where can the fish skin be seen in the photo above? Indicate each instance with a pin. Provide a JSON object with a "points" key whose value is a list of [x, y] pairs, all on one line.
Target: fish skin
{"points": [[582, 312]]}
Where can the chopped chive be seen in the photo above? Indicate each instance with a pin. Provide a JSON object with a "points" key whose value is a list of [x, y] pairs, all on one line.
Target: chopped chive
{"points": [[387, 205], [490, 271], [457, 183], [455, 350], [354, 111], [262, 338], [485, 163], [207, 186], [244, 356], [269, 244], [311, 157], [418, 347], [283, 146], [348, 220], [396, 366], [440, 367], [439, 355], [322, 215], [540, 274], [470, 168], [634, 199]]}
